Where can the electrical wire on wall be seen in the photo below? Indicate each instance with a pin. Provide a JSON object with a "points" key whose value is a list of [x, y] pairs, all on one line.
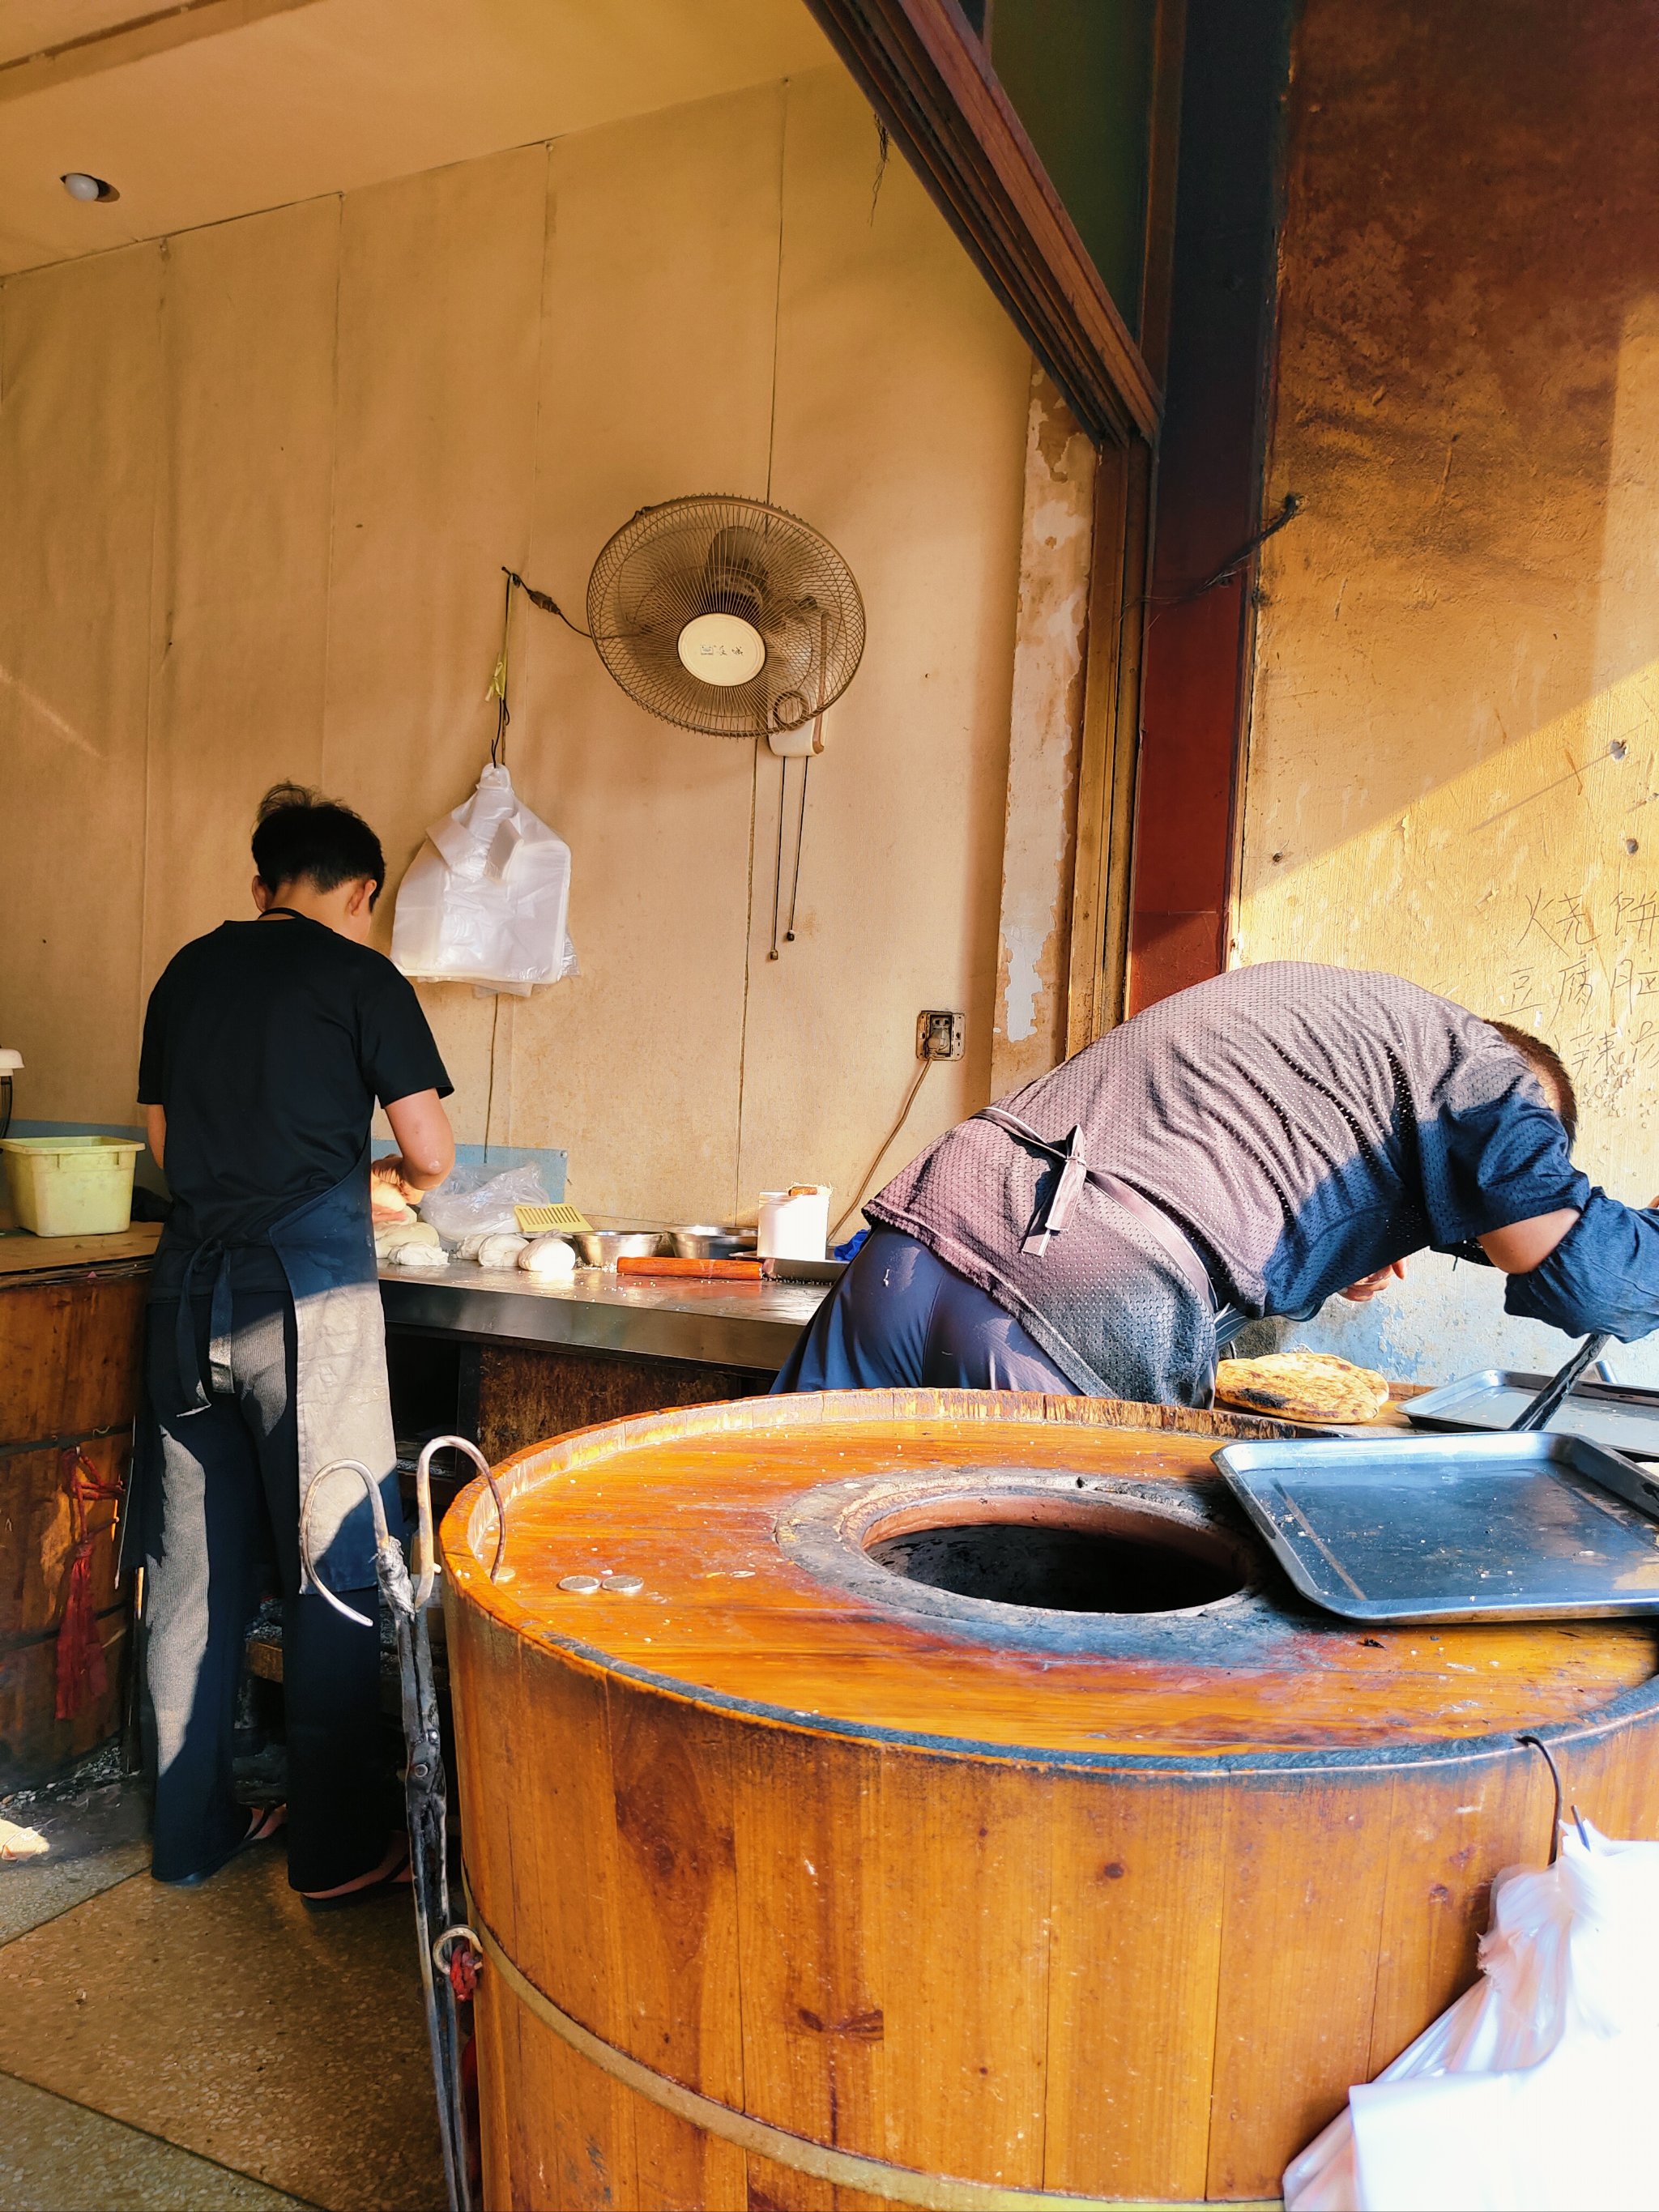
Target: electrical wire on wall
{"points": [[910, 1096]]}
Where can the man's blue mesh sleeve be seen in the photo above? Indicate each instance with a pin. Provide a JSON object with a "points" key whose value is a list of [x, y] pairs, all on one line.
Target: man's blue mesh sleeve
{"points": [[1603, 1275]]}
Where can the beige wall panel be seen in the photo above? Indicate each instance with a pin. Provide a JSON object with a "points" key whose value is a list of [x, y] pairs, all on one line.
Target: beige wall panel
{"points": [[79, 417], [902, 394], [368, 407], [1456, 741], [438, 321], [657, 366], [240, 605]]}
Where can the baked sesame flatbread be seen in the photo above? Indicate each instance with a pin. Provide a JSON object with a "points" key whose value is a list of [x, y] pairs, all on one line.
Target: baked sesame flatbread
{"points": [[1303, 1386]]}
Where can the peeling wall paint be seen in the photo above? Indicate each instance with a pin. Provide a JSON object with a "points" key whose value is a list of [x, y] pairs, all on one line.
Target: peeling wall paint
{"points": [[1045, 740], [1454, 747]]}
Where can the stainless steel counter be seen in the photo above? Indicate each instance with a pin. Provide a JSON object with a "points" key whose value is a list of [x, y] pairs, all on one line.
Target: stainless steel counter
{"points": [[749, 1325]]}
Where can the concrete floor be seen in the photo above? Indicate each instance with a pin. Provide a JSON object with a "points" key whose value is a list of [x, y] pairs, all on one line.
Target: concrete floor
{"points": [[217, 2049]]}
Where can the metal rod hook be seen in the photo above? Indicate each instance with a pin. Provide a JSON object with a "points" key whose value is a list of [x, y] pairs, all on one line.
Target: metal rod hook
{"points": [[382, 1534], [423, 1508]]}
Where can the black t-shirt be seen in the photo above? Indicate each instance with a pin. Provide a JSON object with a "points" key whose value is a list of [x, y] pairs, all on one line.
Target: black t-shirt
{"points": [[267, 1043]]}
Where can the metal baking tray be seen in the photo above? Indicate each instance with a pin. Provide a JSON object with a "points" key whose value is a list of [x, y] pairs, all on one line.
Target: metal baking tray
{"points": [[1455, 1528], [1626, 1421]]}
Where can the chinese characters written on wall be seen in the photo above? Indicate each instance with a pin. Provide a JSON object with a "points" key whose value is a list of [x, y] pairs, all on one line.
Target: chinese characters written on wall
{"points": [[1583, 971]]}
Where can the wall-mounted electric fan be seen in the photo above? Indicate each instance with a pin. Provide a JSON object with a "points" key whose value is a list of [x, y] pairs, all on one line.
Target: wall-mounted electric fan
{"points": [[724, 615], [727, 616]]}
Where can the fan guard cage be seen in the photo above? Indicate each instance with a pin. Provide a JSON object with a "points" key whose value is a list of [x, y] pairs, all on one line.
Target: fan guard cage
{"points": [[715, 555]]}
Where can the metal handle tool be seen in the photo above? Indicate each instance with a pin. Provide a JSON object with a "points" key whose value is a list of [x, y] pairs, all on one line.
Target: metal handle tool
{"points": [[1547, 1404], [406, 1599]]}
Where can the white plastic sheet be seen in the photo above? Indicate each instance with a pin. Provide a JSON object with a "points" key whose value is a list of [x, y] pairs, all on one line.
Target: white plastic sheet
{"points": [[472, 1202], [486, 898], [1532, 2092]]}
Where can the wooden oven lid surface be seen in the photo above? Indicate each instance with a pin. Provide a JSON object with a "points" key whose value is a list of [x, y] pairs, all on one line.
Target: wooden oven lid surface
{"points": [[727, 1514]]}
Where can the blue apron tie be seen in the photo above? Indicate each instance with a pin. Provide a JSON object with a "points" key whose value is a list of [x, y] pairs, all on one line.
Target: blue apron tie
{"points": [[190, 1369]]}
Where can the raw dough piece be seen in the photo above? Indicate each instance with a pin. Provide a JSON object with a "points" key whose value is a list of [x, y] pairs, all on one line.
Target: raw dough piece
{"points": [[548, 1255], [412, 1253], [1303, 1386], [500, 1249], [397, 1234], [470, 1247]]}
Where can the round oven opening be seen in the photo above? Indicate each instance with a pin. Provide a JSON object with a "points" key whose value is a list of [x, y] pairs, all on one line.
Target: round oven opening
{"points": [[1071, 1555]]}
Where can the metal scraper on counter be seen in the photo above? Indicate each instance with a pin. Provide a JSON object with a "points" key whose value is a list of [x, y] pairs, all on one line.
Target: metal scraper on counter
{"points": [[1619, 1415], [1550, 1399]]}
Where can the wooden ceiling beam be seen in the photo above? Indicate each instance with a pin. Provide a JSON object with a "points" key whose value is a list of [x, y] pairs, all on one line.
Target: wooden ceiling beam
{"points": [[929, 79], [134, 40]]}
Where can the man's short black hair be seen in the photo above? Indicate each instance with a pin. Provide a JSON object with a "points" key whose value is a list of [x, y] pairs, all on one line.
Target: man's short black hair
{"points": [[1548, 1067], [299, 835]]}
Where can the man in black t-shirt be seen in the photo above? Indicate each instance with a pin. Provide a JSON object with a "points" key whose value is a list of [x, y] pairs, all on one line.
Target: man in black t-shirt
{"points": [[267, 1045]]}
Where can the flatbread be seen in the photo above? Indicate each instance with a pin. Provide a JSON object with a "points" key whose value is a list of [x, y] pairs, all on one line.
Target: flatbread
{"points": [[1303, 1386]]}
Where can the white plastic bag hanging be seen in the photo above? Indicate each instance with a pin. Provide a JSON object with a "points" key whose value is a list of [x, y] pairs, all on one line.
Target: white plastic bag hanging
{"points": [[1532, 2092], [486, 898]]}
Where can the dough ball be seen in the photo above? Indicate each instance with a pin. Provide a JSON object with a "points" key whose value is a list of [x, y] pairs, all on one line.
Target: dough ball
{"points": [[411, 1254], [548, 1255], [470, 1247], [500, 1249], [404, 1235]]}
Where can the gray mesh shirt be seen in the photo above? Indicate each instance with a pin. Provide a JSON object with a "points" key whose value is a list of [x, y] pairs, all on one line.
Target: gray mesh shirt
{"points": [[1304, 1126]]}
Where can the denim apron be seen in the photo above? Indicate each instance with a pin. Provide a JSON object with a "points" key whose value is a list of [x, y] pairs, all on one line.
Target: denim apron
{"points": [[342, 1398]]}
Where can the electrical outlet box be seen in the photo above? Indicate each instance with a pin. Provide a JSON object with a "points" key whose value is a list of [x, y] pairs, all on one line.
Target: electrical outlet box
{"points": [[940, 1036]]}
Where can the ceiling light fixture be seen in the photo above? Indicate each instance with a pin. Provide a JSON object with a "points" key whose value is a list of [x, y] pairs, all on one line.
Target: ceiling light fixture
{"points": [[81, 187]]}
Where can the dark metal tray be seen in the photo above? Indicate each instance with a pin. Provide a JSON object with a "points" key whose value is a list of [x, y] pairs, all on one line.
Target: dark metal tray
{"points": [[1455, 1528], [1626, 1421]]}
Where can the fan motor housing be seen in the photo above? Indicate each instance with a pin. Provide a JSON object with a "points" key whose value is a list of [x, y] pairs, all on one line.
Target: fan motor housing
{"points": [[721, 649]]}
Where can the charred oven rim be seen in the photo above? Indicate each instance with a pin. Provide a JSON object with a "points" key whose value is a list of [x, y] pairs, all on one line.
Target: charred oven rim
{"points": [[825, 1533]]}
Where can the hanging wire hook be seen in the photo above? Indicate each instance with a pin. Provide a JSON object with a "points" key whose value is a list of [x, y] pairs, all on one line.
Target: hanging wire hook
{"points": [[497, 691], [382, 1534], [423, 1507], [1539, 1745]]}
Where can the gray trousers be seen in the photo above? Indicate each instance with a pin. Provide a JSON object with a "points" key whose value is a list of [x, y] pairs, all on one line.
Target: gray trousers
{"points": [[225, 1511]]}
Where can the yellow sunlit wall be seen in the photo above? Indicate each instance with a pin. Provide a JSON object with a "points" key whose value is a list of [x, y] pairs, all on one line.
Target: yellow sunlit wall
{"points": [[1454, 760]]}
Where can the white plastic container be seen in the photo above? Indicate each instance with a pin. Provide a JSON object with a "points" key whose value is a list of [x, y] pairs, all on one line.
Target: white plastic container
{"points": [[794, 1223], [71, 1185]]}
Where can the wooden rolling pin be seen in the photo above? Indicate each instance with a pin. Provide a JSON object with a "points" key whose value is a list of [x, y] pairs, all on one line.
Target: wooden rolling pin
{"points": [[718, 1271]]}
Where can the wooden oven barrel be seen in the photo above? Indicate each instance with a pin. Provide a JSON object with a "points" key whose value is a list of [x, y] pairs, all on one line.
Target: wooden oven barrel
{"points": [[805, 1883], [71, 1347]]}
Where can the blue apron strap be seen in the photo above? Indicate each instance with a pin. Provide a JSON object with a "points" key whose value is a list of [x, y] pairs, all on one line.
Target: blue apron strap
{"points": [[219, 1383], [219, 1321]]}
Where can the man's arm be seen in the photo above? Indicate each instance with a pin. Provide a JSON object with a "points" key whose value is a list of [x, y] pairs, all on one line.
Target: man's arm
{"points": [[156, 1128], [1594, 1271], [426, 1144], [1517, 1251], [1525, 1245]]}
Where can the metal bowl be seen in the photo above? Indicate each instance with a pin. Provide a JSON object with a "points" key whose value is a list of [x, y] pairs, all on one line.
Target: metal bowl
{"points": [[706, 1240], [603, 1247]]}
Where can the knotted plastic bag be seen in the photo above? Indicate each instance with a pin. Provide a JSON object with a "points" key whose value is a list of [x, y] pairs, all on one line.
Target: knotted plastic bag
{"points": [[1533, 2091], [487, 897]]}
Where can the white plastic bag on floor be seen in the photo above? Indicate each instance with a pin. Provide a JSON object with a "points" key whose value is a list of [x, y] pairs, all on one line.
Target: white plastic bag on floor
{"points": [[1535, 2090], [486, 900]]}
